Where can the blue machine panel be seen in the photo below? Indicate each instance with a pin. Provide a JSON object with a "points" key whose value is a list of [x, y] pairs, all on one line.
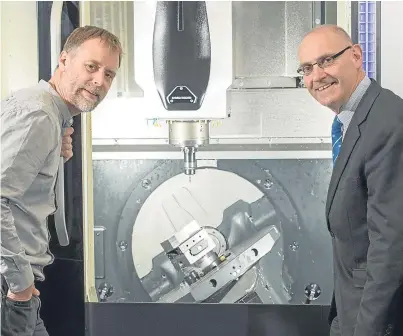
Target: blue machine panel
{"points": [[367, 35]]}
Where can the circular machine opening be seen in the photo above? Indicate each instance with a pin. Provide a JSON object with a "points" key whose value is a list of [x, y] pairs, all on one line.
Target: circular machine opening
{"points": [[232, 210]]}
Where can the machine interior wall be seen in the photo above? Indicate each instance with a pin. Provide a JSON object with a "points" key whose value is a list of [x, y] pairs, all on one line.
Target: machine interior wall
{"points": [[305, 252]]}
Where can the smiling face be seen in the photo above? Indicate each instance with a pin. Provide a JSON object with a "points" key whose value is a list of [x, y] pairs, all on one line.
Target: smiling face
{"points": [[87, 73], [333, 83]]}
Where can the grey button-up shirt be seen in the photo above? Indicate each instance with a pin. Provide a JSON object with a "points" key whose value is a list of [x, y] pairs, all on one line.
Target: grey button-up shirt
{"points": [[32, 126], [347, 111]]}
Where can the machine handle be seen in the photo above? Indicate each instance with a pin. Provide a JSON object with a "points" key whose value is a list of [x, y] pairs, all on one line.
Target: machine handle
{"points": [[55, 49], [60, 219]]}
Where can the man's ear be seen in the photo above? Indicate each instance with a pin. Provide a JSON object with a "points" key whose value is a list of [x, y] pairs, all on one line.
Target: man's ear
{"points": [[63, 58], [357, 54]]}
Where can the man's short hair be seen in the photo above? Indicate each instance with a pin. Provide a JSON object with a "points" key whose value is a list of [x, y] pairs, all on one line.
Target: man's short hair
{"points": [[82, 34], [335, 29]]}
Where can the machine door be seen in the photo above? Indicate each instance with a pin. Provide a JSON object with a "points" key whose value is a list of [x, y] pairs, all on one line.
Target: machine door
{"points": [[62, 292]]}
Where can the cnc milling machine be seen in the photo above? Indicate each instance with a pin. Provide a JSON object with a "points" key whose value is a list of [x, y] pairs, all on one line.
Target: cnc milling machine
{"points": [[205, 170]]}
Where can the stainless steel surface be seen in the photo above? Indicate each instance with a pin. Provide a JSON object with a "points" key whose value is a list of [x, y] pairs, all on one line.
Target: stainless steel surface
{"points": [[271, 114], [266, 37], [192, 133], [263, 83]]}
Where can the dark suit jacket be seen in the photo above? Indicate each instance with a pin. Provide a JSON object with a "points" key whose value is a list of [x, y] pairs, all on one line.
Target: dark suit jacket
{"points": [[364, 213]]}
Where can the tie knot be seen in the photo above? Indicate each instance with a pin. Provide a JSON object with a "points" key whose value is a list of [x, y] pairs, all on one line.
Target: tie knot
{"points": [[337, 122], [336, 126]]}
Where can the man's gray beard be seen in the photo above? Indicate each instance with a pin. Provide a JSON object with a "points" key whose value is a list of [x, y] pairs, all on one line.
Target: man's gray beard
{"points": [[83, 105]]}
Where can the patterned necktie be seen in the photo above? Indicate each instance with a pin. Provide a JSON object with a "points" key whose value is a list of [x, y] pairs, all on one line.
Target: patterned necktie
{"points": [[337, 136]]}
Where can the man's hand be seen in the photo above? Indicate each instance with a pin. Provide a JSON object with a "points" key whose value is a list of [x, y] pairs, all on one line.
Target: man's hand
{"points": [[25, 295], [67, 147]]}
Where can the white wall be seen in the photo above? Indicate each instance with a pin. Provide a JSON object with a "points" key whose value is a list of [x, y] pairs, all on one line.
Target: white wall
{"points": [[19, 51], [392, 46]]}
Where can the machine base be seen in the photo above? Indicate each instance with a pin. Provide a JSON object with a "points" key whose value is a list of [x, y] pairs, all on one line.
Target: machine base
{"points": [[148, 319]]}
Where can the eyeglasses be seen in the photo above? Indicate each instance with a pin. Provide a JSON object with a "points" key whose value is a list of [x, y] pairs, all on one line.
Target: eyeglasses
{"points": [[323, 63]]}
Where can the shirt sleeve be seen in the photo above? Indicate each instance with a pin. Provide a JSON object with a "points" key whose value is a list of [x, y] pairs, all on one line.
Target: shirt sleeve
{"points": [[27, 138]]}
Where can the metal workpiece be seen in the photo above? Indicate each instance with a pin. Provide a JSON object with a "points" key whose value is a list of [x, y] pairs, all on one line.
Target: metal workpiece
{"points": [[237, 263], [233, 266], [207, 267], [181, 237], [190, 250]]}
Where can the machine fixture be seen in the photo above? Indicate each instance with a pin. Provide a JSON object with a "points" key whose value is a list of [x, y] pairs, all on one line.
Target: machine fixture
{"points": [[207, 267]]}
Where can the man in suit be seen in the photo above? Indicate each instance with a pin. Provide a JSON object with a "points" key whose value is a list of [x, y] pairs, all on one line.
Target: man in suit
{"points": [[364, 209]]}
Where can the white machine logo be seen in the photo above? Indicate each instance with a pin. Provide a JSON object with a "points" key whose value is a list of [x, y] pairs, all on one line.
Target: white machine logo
{"points": [[181, 94]]}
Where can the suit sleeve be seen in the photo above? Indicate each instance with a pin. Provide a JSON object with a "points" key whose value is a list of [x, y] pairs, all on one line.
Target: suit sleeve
{"points": [[384, 171], [26, 141]]}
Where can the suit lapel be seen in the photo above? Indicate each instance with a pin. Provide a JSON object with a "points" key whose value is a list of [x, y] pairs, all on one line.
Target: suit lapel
{"points": [[351, 137]]}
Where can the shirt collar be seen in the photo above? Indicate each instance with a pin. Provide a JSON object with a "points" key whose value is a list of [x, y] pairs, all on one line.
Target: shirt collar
{"points": [[63, 109], [357, 95]]}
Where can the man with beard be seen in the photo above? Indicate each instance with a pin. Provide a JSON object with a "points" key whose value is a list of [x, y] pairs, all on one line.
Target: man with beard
{"points": [[364, 209], [34, 134]]}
